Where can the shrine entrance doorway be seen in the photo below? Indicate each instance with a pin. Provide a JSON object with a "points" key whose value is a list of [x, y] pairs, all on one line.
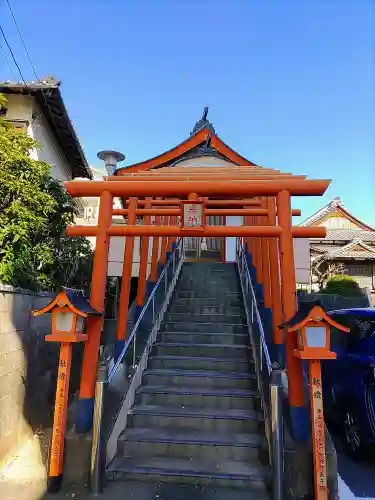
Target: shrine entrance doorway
{"points": [[206, 249]]}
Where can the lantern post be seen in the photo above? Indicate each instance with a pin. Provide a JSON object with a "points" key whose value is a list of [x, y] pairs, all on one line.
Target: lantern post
{"points": [[69, 312], [313, 327]]}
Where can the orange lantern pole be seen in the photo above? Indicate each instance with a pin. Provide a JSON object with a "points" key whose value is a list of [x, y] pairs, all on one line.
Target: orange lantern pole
{"points": [[122, 318], [143, 264], [313, 326], [85, 404], [59, 418]]}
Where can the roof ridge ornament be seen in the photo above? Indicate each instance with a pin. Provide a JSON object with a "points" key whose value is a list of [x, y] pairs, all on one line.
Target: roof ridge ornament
{"points": [[336, 202], [203, 123]]}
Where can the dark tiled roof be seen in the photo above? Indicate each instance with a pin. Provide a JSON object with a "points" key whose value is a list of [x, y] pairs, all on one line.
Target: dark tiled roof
{"points": [[301, 314], [322, 248], [356, 250], [79, 301], [48, 97]]}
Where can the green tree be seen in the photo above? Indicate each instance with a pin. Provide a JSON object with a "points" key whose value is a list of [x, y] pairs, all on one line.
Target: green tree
{"points": [[34, 213]]}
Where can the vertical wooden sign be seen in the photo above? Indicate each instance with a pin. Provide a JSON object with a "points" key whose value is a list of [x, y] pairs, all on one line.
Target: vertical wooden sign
{"points": [[59, 418], [317, 422]]}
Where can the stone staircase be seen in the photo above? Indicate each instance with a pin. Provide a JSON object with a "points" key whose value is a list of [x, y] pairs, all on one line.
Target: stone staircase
{"points": [[196, 418]]}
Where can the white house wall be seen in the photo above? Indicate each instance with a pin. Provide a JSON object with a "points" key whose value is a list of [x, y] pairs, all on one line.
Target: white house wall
{"points": [[302, 260], [204, 161], [230, 243], [19, 107], [24, 108], [51, 151], [116, 256], [338, 223]]}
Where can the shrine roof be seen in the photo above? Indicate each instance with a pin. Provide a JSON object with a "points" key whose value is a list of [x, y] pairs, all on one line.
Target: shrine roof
{"points": [[199, 138]]}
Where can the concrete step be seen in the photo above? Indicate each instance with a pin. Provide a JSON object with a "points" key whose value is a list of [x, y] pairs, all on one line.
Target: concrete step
{"points": [[207, 293], [232, 282], [204, 419], [196, 397], [201, 365], [210, 282], [141, 442], [194, 267], [204, 338], [230, 301], [226, 473], [172, 326], [205, 318], [206, 309], [142, 490], [216, 289], [204, 350]]}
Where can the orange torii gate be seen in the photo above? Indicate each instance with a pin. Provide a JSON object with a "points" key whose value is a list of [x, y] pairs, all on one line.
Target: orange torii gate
{"points": [[264, 200]]}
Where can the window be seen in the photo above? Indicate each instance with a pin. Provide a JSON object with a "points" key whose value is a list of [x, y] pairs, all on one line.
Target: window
{"points": [[19, 125]]}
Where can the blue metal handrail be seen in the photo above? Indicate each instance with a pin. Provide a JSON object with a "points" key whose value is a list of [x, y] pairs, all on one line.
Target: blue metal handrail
{"points": [[269, 380], [244, 270], [151, 300]]}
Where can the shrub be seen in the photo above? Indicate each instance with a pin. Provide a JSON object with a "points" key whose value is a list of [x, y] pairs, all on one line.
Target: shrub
{"points": [[344, 285]]}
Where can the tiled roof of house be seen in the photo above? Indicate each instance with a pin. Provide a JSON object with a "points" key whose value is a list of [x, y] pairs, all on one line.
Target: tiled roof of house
{"points": [[322, 248], [356, 250], [348, 235]]}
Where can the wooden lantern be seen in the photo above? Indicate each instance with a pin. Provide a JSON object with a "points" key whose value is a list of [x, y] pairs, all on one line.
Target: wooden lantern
{"points": [[313, 326], [69, 312]]}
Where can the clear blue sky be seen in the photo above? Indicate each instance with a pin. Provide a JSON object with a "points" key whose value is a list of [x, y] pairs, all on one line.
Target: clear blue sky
{"points": [[290, 84]]}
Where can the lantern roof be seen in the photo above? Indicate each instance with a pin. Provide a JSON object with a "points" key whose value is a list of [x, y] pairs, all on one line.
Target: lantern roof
{"points": [[72, 298], [308, 312]]}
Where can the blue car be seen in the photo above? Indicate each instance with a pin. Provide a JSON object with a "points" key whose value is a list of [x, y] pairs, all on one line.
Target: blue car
{"points": [[349, 382]]}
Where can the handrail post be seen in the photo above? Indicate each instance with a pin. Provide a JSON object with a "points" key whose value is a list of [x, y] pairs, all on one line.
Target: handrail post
{"points": [[277, 435], [98, 455]]}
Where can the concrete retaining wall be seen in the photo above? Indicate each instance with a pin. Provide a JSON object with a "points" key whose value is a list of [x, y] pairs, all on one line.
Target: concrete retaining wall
{"points": [[28, 367]]}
